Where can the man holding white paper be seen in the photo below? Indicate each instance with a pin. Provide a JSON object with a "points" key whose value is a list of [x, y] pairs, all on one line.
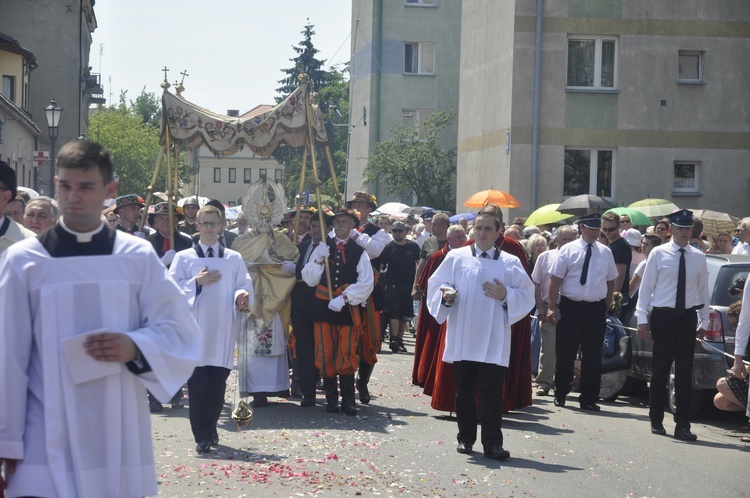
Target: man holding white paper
{"points": [[78, 424]]}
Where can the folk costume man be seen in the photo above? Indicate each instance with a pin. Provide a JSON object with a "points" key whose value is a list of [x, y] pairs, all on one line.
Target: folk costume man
{"points": [[481, 291], [373, 240], [338, 322], [582, 280], [675, 285], [302, 325], [190, 224], [217, 285], [159, 219], [10, 231], [432, 372], [128, 209], [75, 363]]}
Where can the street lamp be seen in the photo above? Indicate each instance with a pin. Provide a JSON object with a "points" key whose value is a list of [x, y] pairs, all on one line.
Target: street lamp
{"points": [[53, 113]]}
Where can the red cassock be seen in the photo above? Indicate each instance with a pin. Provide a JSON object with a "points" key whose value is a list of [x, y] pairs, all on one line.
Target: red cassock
{"points": [[440, 382]]}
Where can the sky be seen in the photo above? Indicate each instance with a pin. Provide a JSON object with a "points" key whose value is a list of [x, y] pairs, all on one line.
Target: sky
{"points": [[232, 50]]}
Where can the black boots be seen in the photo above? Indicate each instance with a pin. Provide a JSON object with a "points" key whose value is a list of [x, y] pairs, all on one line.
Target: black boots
{"points": [[332, 394], [347, 394], [363, 378]]}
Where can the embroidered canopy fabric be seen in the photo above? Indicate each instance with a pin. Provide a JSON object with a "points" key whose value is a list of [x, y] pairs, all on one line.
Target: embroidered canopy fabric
{"points": [[190, 126]]}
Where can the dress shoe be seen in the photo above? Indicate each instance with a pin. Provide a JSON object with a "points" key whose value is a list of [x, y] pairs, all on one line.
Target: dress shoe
{"points": [[348, 407], [394, 346], [592, 407], [307, 402], [154, 405], [332, 407], [684, 434], [259, 401], [203, 447], [464, 448], [496, 452], [542, 391], [214, 440], [559, 402], [658, 429]]}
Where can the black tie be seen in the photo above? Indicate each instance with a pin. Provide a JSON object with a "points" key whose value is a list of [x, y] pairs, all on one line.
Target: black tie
{"points": [[484, 255], [679, 305], [586, 262], [210, 252], [312, 250]]}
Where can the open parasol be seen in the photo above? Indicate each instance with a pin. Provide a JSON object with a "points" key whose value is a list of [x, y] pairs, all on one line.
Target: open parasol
{"points": [[654, 208], [547, 215], [584, 204], [497, 197], [637, 218]]}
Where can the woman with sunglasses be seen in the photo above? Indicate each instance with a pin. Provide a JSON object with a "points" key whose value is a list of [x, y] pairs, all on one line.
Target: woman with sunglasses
{"points": [[662, 230]]}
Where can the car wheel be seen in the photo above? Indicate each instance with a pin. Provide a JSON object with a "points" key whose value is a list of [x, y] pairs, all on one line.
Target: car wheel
{"points": [[696, 399]]}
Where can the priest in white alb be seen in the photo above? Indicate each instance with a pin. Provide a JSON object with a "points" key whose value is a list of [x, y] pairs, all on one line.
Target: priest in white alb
{"points": [[89, 319], [481, 291]]}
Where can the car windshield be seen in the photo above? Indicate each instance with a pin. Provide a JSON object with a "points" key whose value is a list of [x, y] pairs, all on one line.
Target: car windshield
{"points": [[729, 285]]}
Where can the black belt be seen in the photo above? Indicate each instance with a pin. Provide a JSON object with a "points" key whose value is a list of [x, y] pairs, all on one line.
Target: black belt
{"points": [[580, 303], [675, 312]]}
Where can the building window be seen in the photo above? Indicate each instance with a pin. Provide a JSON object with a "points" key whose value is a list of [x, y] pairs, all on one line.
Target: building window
{"points": [[592, 63], [420, 3], [263, 174], [588, 171], [232, 175], [277, 175], [217, 175], [248, 175], [416, 118], [690, 67], [9, 87], [686, 177], [419, 58]]}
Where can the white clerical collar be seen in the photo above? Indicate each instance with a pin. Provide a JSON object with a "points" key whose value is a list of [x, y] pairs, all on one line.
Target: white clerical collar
{"points": [[82, 237], [215, 248]]}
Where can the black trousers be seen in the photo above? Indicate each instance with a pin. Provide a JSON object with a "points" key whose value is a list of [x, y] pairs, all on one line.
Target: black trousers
{"points": [[489, 378], [674, 339], [582, 324], [206, 388], [304, 344]]}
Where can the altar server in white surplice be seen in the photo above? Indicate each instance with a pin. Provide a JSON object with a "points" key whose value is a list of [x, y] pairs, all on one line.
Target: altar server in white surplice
{"points": [[481, 291], [217, 285], [90, 320]]}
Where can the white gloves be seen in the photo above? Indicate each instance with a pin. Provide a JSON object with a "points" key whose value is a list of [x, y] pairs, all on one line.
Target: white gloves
{"points": [[168, 257], [321, 252], [353, 234], [288, 267], [337, 304], [140, 235]]}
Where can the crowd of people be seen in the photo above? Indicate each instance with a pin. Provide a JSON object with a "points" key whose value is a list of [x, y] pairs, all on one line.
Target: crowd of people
{"points": [[306, 305]]}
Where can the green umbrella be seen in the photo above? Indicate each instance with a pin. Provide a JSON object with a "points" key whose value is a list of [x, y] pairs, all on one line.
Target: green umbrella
{"points": [[637, 218], [546, 215], [654, 208]]}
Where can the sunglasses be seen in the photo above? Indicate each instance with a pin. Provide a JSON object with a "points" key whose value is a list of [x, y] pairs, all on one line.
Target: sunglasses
{"points": [[397, 230], [609, 229], [624, 221], [660, 229]]}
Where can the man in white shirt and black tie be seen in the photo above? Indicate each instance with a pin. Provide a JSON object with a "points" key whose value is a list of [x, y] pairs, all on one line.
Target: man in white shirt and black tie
{"points": [[584, 277], [675, 286]]}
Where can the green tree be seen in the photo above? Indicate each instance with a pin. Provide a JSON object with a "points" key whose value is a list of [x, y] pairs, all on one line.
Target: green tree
{"points": [[332, 86], [416, 163], [132, 138]]}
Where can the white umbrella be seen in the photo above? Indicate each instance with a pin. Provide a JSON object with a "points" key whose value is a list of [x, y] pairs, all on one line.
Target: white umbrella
{"points": [[392, 208], [32, 193], [201, 200]]}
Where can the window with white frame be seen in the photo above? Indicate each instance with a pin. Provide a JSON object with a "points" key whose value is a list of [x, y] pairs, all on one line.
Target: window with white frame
{"points": [[232, 175], [690, 66], [592, 63], [248, 175], [419, 58], [263, 174], [686, 176], [589, 171], [416, 117], [413, 3]]}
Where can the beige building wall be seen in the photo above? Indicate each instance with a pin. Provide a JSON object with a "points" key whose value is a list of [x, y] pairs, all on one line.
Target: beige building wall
{"points": [[651, 121]]}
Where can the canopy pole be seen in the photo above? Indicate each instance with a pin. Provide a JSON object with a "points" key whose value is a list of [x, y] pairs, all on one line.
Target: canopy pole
{"points": [[298, 197], [151, 190], [170, 193]]}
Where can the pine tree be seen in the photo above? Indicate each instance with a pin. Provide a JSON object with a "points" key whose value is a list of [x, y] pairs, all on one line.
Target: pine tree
{"points": [[304, 62]]}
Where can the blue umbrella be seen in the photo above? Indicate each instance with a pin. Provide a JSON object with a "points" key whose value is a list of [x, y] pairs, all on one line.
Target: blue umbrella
{"points": [[466, 216]]}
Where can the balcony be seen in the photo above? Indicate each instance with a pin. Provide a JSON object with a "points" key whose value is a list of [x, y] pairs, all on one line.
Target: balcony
{"points": [[92, 84]]}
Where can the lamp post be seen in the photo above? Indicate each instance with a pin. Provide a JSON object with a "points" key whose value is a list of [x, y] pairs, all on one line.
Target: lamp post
{"points": [[53, 113]]}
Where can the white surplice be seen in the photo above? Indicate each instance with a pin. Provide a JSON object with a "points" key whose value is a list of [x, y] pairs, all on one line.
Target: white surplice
{"points": [[214, 307], [92, 439], [478, 325]]}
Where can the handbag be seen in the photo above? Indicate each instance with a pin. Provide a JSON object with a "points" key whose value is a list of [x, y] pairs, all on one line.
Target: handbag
{"points": [[616, 347]]}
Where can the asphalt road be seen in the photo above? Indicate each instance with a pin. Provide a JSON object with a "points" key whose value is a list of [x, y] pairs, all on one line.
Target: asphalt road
{"points": [[399, 445]]}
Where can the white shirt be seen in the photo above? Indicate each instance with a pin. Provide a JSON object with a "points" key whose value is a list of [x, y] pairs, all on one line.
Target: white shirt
{"points": [[540, 274], [422, 237], [374, 245], [638, 271], [356, 293], [742, 248], [742, 333], [659, 283], [569, 267]]}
